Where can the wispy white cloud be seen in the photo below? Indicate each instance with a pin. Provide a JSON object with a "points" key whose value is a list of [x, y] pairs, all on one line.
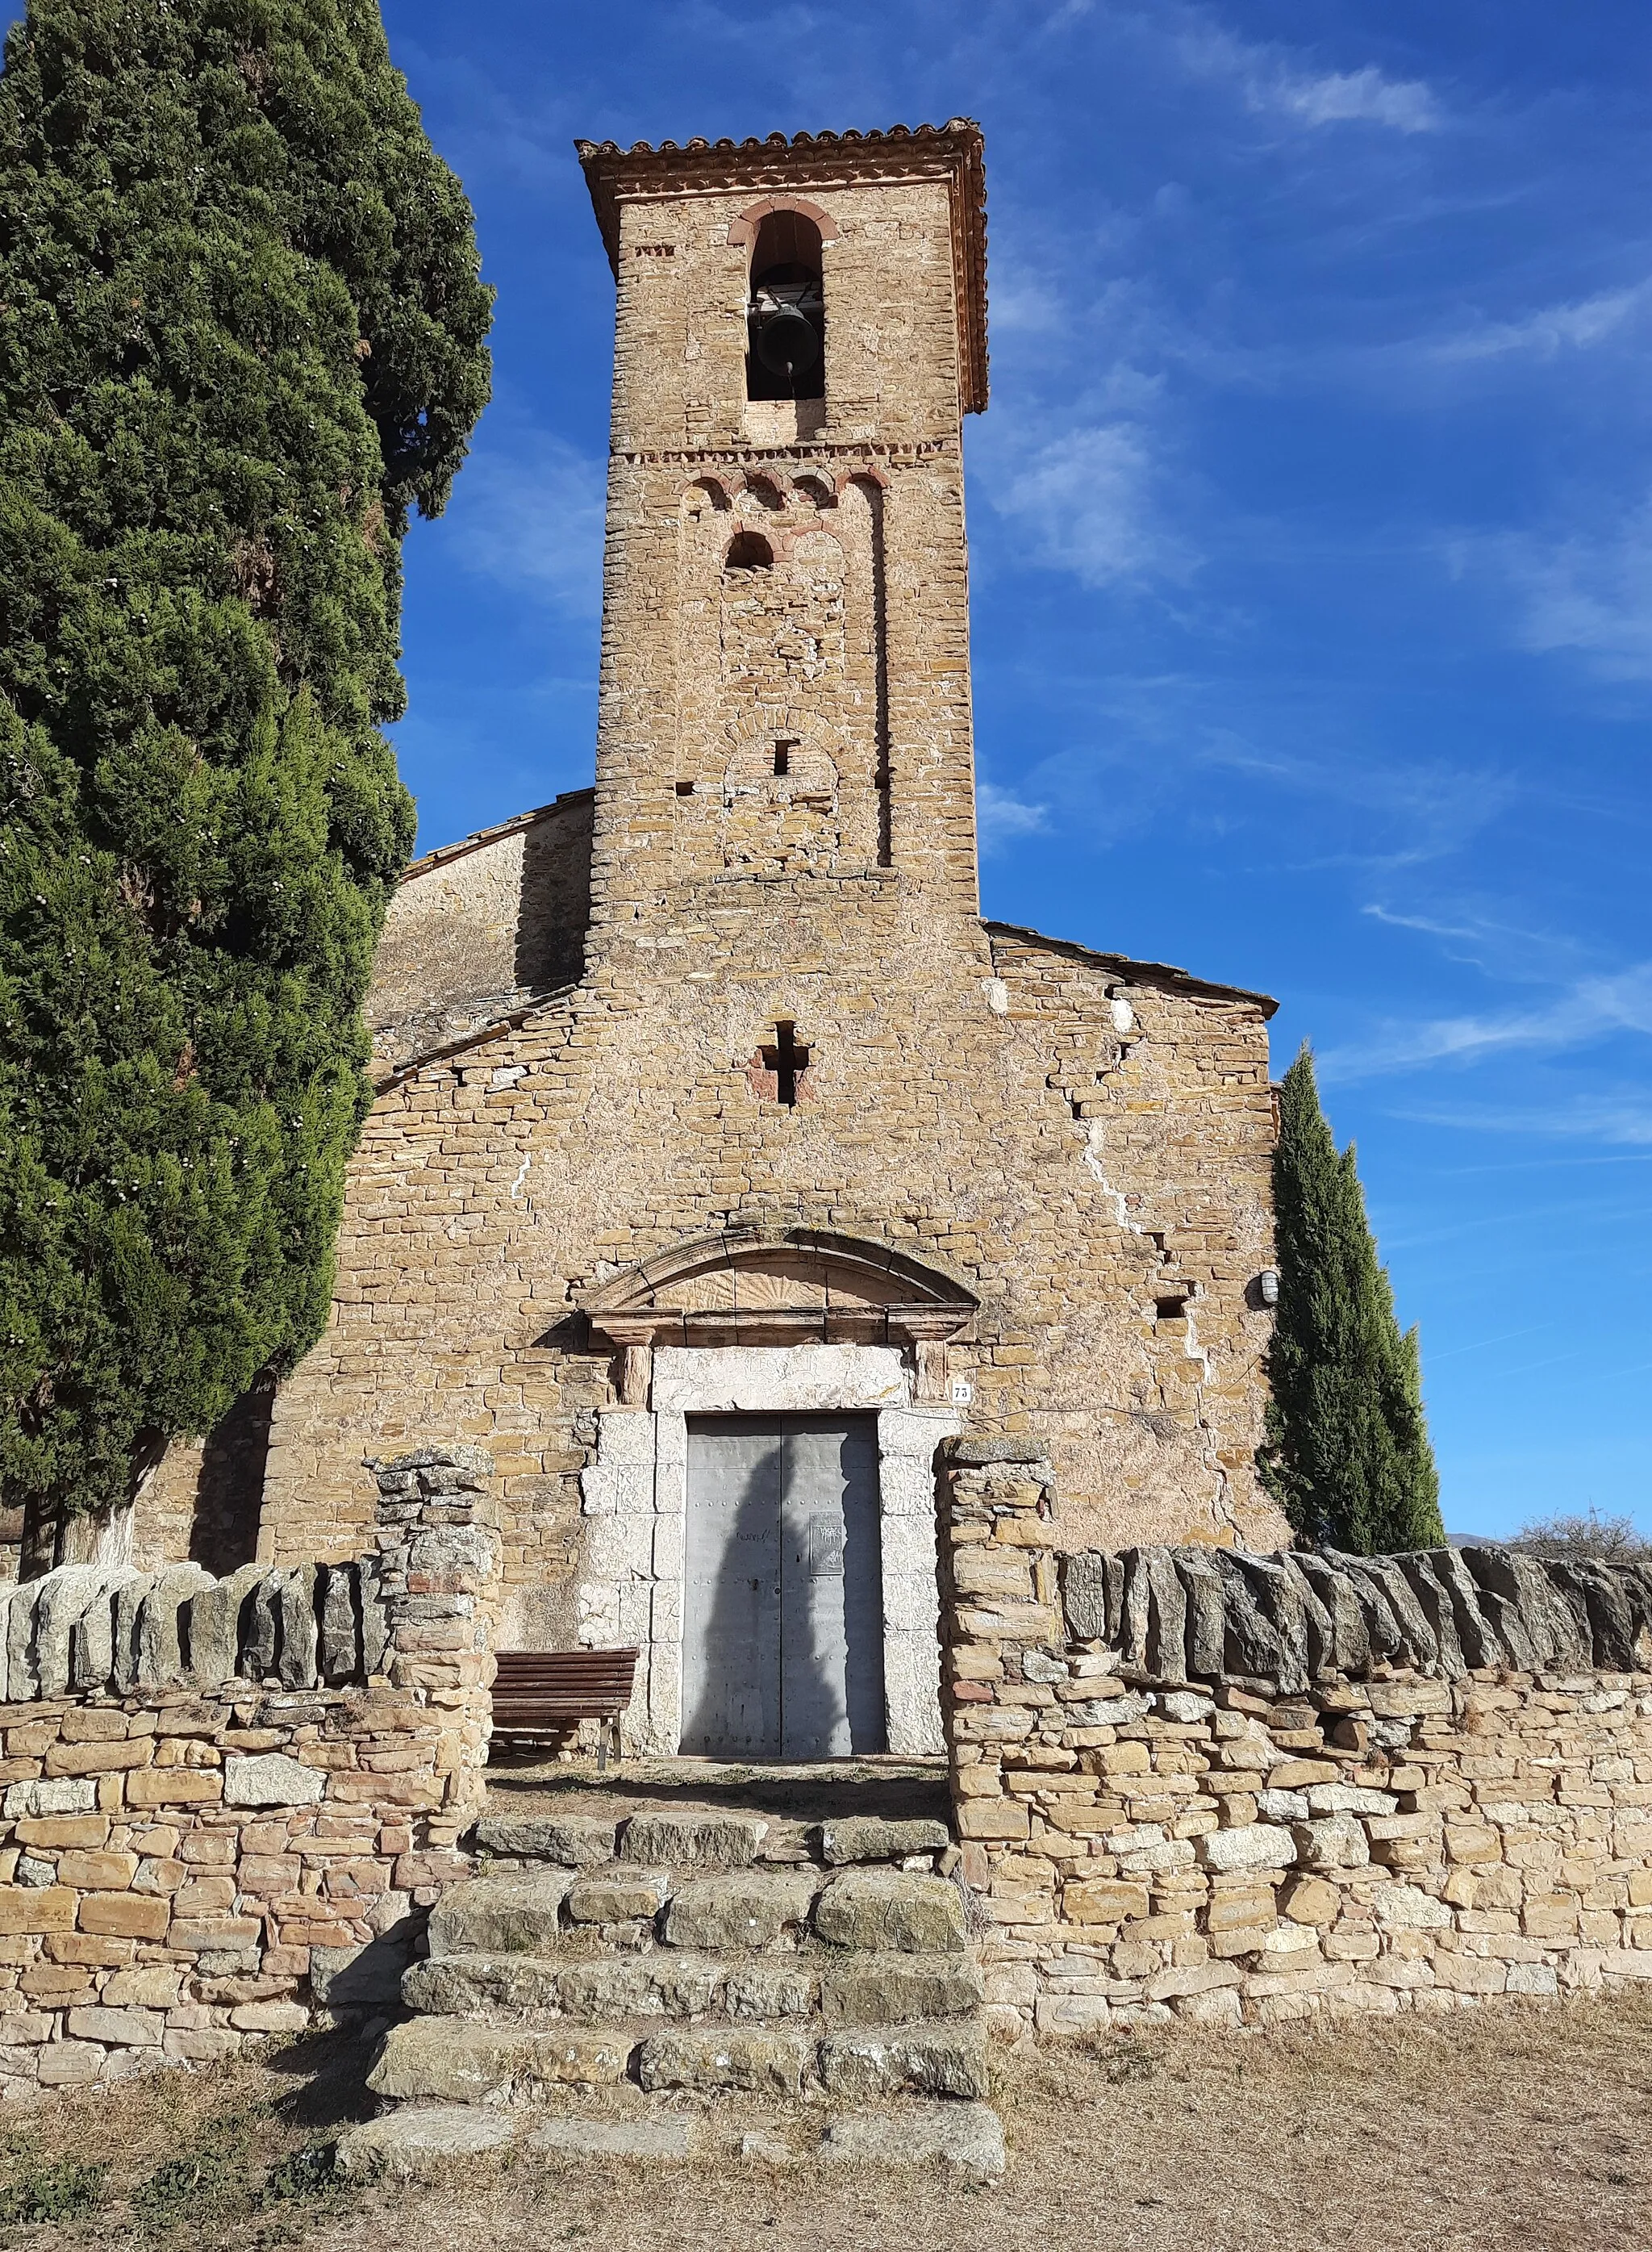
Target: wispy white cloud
{"points": [[1622, 1121], [1590, 1009], [1269, 79], [527, 513], [1514, 953], [1550, 329], [1000, 815], [1588, 590], [1089, 500]]}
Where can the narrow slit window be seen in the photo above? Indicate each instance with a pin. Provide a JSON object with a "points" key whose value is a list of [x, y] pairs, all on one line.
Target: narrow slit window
{"points": [[783, 757]]}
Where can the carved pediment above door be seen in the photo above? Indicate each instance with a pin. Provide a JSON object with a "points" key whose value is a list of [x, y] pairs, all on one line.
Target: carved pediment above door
{"points": [[745, 1286]]}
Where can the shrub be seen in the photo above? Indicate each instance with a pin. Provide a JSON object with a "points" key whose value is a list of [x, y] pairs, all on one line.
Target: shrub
{"points": [[1346, 1450]]}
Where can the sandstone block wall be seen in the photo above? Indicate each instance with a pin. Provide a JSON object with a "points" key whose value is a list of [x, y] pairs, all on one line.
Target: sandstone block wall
{"points": [[783, 833], [239, 1810], [1243, 1789], [478, 928]]}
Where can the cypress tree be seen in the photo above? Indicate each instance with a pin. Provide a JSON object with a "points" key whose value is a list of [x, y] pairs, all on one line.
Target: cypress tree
{"points": [[1346, 1452], [242, 336]]}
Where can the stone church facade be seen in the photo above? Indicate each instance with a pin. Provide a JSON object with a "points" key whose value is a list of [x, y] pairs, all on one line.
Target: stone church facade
{"points": [[711, 1114]]}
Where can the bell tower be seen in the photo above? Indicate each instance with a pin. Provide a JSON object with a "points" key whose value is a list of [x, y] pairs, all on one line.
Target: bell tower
{"points": [[784, 719]]}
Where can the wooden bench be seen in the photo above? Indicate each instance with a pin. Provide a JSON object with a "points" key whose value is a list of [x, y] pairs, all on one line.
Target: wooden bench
{"points": [[540, 1693]]}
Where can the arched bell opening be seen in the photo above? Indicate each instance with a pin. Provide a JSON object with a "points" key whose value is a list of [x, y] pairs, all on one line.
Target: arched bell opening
{"points": [[786, 310]]}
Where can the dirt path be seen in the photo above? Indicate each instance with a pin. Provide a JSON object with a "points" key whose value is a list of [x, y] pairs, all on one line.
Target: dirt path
{"points": [[1485, 2132]]}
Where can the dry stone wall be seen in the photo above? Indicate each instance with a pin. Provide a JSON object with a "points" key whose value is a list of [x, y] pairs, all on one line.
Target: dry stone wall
{"points": [[1244, 1789], [222, 1802]]}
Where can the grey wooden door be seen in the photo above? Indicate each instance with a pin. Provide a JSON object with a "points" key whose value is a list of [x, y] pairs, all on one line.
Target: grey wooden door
{"points": [[783, 1616]]}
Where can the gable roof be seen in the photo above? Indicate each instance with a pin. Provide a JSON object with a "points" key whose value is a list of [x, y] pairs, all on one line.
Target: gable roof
{"points": [[1141, 973]]}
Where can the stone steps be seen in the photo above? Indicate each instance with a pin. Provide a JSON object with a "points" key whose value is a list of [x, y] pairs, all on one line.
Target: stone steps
{"points": [[860, 1987], [539, 1911], [671, 1958], [434, 2142], [480, 2061]]}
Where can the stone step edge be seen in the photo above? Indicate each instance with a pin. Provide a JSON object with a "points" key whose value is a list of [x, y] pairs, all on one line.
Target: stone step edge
{"points": [[436, 2143], [827, 1971], [810, 1901], [473, 2061], [724, 1843]]}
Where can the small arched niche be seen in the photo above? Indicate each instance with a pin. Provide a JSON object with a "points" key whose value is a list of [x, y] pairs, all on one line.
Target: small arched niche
{"points": [[786, 309], [749, 551]]}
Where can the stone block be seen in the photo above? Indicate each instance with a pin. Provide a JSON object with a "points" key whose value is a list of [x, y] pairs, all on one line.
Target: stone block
{"points": [[64, 1596], [54, 1795], [577, 1840], [214, 1619], [895, 1988], [431, 2143], [1102, 1900], [458, 2061], [693, 1841], [1311, 1900], [118, 2028], [708, 2059], [501, 1915], [1407, 1908], [738, 1910], [98, 1871], [125, 1916], [152, 1987], [617, 1896], [887, 1910], [70, 2064], [270, 2017], [29, 1909], [54, 1830], [922, 2059], [1349, 1798], [966, 2139], [23, 1677], [1258, 1845], [869, 1838], [272, 1779], [1339, 1842], [160, 1643]]}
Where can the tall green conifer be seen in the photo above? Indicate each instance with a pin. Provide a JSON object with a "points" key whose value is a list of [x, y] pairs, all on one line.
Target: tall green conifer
{"points": [[242, 335], [1346, 1453]]}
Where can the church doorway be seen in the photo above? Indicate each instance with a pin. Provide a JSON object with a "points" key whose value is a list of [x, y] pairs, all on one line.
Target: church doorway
{"points": [[783, 1595]]}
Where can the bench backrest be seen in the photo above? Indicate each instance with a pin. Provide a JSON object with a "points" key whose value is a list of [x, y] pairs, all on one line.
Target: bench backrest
{"points": [[566, 1684]]}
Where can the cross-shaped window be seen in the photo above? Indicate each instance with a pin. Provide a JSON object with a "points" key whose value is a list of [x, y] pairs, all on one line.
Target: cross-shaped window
{"points": [[787, 1059]]}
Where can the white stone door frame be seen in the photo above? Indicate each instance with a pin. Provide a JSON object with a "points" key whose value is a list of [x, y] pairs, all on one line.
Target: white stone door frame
{"points": [[634, 1498]]}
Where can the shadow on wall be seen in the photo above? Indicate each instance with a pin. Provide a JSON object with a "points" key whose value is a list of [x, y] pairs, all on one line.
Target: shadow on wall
{"points": [[782, 1603], [229, 1495], [556, 894]]}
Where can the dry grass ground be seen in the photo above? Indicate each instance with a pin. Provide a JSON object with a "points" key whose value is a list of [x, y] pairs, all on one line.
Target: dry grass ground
{"points": [[1521, 2128]]}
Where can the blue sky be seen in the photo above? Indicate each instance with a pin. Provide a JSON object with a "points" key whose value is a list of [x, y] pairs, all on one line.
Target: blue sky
{"points": [[1311, 528]]}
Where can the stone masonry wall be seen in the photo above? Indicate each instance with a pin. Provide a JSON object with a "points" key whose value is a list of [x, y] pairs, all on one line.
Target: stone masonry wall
{"points": [[783, 832], [223, 1801], [1247, 1788]]}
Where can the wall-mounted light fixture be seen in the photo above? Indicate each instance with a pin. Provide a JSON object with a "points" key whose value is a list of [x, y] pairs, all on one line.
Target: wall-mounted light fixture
{"points": [[1268, 1286]]}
